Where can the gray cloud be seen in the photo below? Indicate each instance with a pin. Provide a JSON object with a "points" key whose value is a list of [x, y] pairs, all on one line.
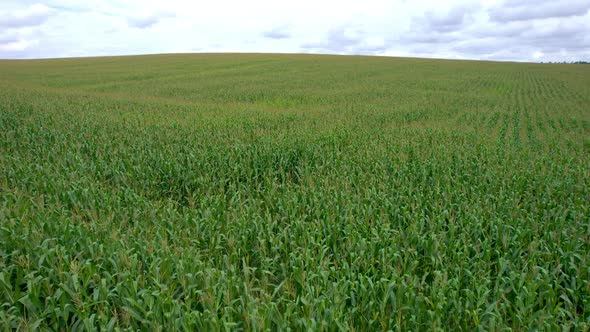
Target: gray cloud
{"points": [[482, 46], [21, 48], [508, 29], [278, 33], [142, 22], [347, 40], [452, 20], [556, 44], [524, 10], [425, 37], [8, 39], [439, 28], [31, 16], [342, 38], [469, 32]]}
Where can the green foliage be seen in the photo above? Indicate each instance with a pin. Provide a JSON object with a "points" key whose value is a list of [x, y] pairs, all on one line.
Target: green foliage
{"points": [[273, 192]]}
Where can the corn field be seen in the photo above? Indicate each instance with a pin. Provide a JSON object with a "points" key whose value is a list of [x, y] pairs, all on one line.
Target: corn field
{"points": [[293, 192]]}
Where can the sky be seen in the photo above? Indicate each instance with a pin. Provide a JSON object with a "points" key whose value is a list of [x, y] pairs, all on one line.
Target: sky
{"points": [[505, 30]]}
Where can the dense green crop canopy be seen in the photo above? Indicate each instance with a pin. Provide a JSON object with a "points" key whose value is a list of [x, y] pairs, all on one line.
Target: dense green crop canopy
{"points": [[268, 192]]}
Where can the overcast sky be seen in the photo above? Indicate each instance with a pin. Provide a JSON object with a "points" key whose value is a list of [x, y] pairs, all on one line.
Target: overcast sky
{"points": [[520, 30]]}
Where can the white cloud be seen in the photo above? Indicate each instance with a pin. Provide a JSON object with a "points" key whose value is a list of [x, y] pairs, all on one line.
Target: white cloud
{"points": [[523, 30], [280, 32], [31, 15], [522, 10], [18, 45], [147, 20]]}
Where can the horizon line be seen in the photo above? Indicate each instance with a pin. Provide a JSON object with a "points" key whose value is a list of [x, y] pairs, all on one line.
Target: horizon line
{"points": [[278, 53]]}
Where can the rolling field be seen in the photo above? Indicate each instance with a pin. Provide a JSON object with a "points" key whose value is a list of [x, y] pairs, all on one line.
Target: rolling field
{"points": [[302, 192]]}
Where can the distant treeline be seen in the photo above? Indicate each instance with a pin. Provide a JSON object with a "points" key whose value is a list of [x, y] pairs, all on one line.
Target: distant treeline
{"points": [[571, 63]]}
